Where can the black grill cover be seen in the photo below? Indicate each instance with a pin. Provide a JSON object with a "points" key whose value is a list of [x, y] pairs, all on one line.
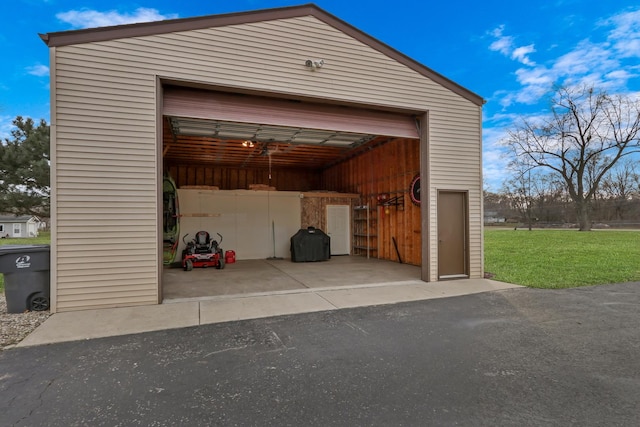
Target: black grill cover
{"points": [[310, 244]]}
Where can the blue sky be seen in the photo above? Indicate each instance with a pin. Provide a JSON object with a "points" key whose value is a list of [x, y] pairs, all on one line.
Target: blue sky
{"points": [[508, 52]]}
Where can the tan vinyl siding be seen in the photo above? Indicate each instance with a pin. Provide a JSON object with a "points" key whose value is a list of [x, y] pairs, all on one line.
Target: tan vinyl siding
{"points": [[104, 120], [231, 57], [53, 157], [106, 191], [456, 165]]}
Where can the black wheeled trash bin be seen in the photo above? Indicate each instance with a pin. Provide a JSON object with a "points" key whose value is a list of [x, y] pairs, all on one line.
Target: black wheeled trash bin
{"points": [[26, 277]]}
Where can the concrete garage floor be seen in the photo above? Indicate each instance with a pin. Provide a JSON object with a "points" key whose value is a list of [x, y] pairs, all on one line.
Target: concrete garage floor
{"points": [[248, 277]]}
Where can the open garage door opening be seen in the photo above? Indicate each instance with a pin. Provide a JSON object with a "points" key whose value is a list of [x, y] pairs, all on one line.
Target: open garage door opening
{"points": [[252, 171]]}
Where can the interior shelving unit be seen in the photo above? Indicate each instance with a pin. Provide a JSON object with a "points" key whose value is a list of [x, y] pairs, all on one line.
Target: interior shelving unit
{"points": [[365, 226]]}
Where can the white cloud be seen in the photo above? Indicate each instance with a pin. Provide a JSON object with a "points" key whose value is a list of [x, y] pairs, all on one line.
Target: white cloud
{"points": [[601, 63], [502, 44], [92, 18], [585, 58], [521, 54], [494, 157], [535, 82], [625, 35], [618, 75], [38, 70], [506, 46], [539, 76], [500, 117]]}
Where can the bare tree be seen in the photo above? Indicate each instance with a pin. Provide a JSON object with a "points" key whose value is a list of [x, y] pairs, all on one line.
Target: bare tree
{"points": [[547, 192], [519, 192], [618, 188], [584, 136]]}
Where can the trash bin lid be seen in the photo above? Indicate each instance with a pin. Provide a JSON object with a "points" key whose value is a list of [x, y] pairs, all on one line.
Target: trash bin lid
{"points": [[14, 249]]}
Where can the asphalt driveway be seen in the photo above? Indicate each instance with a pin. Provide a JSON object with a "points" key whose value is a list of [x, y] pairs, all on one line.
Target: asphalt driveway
{"points": [[515, 357]]}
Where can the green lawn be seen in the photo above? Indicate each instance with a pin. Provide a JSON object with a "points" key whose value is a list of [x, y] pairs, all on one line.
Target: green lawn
{"points": [[43, 239], [562, 258]]}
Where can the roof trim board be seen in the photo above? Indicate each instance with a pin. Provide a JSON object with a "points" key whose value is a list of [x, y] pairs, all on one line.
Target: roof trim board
{"points": [[66, 38], [18, 219]]}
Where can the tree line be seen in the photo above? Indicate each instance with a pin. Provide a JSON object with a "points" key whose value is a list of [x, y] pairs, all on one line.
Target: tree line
{"points": [[576, 164], [541, 199]]}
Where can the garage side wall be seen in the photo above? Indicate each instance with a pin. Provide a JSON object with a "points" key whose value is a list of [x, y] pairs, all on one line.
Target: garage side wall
{"points": [[456, 164], [105, 123], [385, 170], [106, 173]]}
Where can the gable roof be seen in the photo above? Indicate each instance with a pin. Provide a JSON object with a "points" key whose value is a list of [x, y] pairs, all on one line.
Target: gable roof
{"points": [[14, 219], [65, 38]]}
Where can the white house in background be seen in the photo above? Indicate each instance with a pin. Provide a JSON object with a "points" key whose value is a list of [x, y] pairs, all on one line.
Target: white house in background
{"points": [[19, 226]]}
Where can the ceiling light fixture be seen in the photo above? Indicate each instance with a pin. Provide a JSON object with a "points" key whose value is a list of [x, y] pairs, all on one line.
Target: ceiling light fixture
{"points": [[248, 144]]}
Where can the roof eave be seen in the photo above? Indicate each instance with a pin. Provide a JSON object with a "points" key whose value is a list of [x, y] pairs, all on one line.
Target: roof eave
{"points": [[88, 35]]}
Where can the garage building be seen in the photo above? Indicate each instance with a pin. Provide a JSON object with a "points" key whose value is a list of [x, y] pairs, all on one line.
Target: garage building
{"points": [[268, 121]]}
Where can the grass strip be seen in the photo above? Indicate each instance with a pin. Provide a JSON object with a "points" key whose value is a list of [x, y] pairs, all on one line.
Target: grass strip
{"points": [[554, 259]]}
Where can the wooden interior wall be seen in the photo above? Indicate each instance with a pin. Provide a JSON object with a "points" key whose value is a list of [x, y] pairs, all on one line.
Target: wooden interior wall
{"points": [[227, 178], [385, 170]]}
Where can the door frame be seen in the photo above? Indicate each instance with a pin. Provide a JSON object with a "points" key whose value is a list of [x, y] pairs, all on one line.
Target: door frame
{"points": [[466, 274]]}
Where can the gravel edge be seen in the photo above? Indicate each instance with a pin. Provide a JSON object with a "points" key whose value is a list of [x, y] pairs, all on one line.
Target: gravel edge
{"points": [[14, 327]]}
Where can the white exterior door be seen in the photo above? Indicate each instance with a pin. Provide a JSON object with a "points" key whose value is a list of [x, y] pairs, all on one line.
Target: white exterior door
{"points": [[338, 228]]}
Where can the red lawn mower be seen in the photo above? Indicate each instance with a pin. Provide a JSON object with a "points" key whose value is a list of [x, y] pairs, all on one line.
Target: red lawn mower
{"points": [[202, 251]]}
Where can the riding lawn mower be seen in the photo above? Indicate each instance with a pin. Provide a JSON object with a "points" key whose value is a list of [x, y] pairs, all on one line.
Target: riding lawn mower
{"points": [[202, 251]]}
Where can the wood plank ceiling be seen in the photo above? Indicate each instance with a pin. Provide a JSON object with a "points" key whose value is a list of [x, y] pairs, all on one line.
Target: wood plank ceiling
{"points": [[194, 141]]}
